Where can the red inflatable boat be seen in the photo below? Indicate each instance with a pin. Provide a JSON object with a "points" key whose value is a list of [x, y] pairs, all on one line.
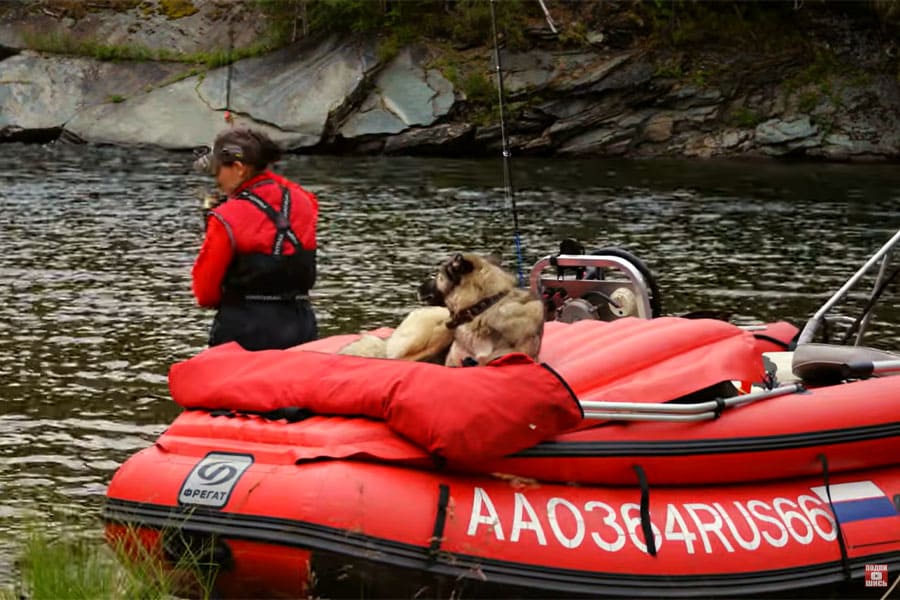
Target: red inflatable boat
{"points": [[638, 457]]}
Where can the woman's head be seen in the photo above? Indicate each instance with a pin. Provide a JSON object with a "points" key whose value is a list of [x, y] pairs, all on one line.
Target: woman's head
{"points": [[239, 154]]}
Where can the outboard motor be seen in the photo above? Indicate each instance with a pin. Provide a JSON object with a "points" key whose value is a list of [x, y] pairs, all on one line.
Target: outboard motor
{"points": [[608, 284]]}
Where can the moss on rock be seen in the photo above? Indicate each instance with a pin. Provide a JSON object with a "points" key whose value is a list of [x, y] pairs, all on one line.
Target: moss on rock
{"points": [[177, 9]]}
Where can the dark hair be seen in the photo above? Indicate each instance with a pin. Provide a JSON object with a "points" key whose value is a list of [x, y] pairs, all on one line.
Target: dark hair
{"points": [[253, 148]]}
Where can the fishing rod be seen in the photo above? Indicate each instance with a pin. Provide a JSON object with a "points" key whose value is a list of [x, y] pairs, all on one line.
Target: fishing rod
{"points": [[203, 156], [229, 118], [507, 174]]}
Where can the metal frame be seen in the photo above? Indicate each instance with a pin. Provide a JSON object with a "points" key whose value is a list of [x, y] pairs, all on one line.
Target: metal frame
{"points": [[699, 411], [635, 278], [809, 330]]}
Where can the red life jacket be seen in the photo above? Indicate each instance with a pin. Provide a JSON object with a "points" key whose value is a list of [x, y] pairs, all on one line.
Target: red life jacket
{"points": [[272, 222]]}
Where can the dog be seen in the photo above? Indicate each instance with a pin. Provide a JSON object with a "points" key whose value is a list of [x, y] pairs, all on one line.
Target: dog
{"points": [[422, 336], [477, 314], [489, 315]]}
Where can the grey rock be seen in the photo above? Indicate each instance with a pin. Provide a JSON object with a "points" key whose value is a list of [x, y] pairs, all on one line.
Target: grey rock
{"points": [[39, 91], [174, 117], [658, 128], [215, 26], [527, 71], [440, 138], [298, 88], [605, 140], [777, 131], [595, 38], [405, 95]]}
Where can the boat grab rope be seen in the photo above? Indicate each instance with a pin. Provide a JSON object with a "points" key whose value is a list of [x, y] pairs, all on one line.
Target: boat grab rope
{"points": [[845, 564], [440, 520], [646, 524]]}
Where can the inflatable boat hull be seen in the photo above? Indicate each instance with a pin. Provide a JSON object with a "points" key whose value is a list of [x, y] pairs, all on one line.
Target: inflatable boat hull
{"points": [[280, 528]]}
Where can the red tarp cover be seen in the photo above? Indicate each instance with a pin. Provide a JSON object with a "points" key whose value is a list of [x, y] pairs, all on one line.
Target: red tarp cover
{"points": [[461, 413], [456, 413]]}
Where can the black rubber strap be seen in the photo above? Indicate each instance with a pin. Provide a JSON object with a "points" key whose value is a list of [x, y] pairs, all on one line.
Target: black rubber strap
{"points": [[440, 520], [772, 340], [720, 406], [845, 563], [646, 525], [283, 224]]}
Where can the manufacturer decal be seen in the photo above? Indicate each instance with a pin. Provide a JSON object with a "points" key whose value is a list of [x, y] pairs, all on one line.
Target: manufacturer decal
{"points": [[212, 479]]}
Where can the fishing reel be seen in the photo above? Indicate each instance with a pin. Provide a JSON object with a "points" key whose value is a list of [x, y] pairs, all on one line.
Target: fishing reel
{"points": [[203, 160], [209, 200], [212, 200]]}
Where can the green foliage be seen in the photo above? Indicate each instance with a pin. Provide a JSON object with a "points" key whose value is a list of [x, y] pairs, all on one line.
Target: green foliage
{"points": [[745, 117], [464, 22], [471, 23], [116, 98], [61, 43], [807, 101], [683, 23], [51, 568], [575, 35], [816, 81], [64, 43], [670, 68], [823, 66], [478, 88], [388, 48], [71, 569], [451, 72], [347, 16]]}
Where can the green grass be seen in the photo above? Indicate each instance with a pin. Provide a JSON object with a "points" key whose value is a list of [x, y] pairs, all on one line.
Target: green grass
{"points": [[61, 43], [60, 568]]}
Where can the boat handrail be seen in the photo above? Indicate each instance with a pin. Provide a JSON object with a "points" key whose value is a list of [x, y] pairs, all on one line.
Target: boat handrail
{"points": [[636, 278], [809, 330], [700, 411]]}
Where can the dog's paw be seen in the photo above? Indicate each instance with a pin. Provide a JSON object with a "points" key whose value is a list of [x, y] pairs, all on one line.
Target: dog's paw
{"points": [[422, 334]]}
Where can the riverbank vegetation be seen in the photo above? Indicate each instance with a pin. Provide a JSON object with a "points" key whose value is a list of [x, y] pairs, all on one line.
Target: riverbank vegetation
{"points": [[467, 23], [680, 31], [50, 567]]}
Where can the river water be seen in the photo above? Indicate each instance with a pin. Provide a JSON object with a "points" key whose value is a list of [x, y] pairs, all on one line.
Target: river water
{"points": [[97, 245]]}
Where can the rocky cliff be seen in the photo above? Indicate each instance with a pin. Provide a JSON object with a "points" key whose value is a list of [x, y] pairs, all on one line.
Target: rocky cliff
{"points": [[822, 82]]}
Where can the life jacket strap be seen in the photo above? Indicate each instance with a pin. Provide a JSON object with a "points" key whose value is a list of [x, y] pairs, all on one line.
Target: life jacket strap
{"points": [[281, 220]]}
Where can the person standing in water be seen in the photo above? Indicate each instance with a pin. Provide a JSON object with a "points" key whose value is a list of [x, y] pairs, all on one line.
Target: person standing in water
{"points": [[257, 263]]}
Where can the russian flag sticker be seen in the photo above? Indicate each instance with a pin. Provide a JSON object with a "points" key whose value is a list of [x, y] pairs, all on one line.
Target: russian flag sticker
{"points": [[857, 501]]}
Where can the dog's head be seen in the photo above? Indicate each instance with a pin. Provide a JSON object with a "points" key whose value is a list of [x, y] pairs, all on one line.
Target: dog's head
{"points": [[449, 275], [458, 271]]}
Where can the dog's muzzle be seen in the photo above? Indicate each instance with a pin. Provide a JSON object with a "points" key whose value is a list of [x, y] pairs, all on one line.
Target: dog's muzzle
{"points": [[430, 294]]}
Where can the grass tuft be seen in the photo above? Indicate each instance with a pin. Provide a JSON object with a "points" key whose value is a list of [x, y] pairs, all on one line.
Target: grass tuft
{"points": [[61, 568]]}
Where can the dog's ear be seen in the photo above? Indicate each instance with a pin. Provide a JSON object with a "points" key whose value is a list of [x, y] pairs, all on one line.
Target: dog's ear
{"points": [[459, 266], [495, 259], [570, 246]]}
